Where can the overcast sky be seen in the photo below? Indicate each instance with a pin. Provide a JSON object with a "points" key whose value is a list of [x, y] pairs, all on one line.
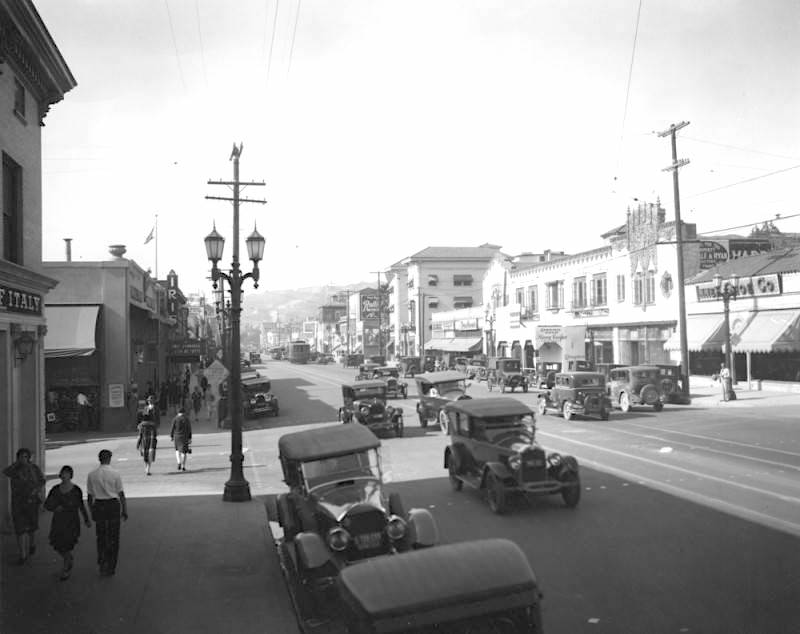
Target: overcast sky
{"points": [[384, 127]]}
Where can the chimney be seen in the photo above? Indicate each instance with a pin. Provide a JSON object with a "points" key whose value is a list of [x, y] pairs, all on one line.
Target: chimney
{"points": [[68, 245]]}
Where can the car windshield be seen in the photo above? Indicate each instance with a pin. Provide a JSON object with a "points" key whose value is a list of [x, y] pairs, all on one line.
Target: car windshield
{"points": [[450, 386], [256, 389], [649, 375], [363, 464], [498, 428], [363, 394], [589, 381], [511, 366]]}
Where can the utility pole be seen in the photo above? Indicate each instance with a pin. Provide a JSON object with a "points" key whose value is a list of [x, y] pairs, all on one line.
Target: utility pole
{"points": [[676, 165]]}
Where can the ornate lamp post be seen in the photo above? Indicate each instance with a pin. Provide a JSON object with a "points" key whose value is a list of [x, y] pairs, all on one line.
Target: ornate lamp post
{"points": [[237, 489], [726, 292], [489, 318]]}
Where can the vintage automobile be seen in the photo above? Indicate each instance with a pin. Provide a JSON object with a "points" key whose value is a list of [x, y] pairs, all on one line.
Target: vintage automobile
{"points": [[324, 359], [636, 385], [671, 385], [410, 366], [476, 368], [366, 371], [365, 403], [546, 373], [577, 394], [255, 357], [505, 373], [580, 365], [353, 360], [493, 447], [395, 388], [468, 587], [257, 400], [435, 390], [337, 511]]}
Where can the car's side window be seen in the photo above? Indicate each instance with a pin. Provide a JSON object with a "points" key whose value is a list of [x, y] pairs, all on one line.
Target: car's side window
{"points": [[479, 430]]}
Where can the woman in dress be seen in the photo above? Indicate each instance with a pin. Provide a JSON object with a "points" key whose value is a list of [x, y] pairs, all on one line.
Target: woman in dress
{"points": [[181, 435], [27, 492], [65, 500], [148, 438]]}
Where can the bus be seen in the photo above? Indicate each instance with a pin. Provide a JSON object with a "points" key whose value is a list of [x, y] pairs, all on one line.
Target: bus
{"points": [[298, 351]]}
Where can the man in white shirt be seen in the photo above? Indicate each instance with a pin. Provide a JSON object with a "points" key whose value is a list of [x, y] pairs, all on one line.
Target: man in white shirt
{"points": [[106, 499]]}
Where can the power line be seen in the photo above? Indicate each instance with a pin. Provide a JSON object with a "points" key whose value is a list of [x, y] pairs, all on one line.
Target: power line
{"points": [[742, 149], [747, 180], [272, 39], [175, 45], [200, 37], [628, 87], [294, 34]]}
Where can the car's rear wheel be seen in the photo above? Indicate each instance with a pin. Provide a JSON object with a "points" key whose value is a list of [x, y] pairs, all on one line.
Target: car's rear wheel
{"points": [[452, 470], [571, 493], [625, 402], [496, 494], [566, 410], [541, 406], [276, 411], [658, 406], [525, 388], [604, 414], [444, 421], [423, 421], [398, 427]]}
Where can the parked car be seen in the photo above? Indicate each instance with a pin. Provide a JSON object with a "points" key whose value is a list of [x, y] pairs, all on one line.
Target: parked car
{"points": [[476, 368], [580, 365], [577, 394], [366, 371], [257, 399], [505, 373], [337, 511], [324, 359], [365, 403], [435, 390], [546, 373], [389, 374], [671, 385], [468, 587], [637, 385], [410, 366], [493, 447]]}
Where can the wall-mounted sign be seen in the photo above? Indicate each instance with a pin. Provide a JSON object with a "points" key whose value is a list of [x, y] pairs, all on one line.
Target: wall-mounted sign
{"points": [[16, 301], [116, 395], [188, 348], [711, 253], [758, 286], [369, 306], [466, 324], [549, 334]]}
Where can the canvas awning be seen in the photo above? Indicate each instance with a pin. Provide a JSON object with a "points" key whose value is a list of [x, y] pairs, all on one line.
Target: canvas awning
{"points": [[770, 331], [457, 344], [70, 331], [699, 330]]}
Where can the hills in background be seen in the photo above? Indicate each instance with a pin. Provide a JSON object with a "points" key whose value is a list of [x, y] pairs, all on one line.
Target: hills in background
{"points": [[290, 305]]}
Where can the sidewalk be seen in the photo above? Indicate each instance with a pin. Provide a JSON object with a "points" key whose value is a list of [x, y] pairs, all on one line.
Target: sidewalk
{"points": [[187, 564]]}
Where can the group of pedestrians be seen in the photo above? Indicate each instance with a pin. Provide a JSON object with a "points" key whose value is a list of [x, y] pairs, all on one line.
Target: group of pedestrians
{"points": [[107, 504], [180, 435]]}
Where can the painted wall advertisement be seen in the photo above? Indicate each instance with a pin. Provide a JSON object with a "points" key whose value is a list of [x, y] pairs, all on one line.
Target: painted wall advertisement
{"points": [[369, 306]]}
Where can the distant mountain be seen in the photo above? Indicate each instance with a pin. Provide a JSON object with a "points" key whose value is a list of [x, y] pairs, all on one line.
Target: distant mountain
{"points": [[290, 305]]}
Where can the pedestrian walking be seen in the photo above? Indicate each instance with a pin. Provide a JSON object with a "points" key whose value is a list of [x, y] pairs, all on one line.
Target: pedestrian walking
{"points": [[65, 501], [107, 503], [27, 493], [197, 403], [181, 436], [148, 439]]}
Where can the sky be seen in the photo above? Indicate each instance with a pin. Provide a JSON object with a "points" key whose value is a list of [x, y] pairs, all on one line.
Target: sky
{"points": [[381, 127]]}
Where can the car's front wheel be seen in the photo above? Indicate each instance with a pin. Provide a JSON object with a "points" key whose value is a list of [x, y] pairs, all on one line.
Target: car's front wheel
{"points": [[444, 421], [398, 427], [496, 494], [423, 421], [452, 470], [541, 406], [567, 410], [604, 414], [625, 402], [571, 493], [658, 406]]}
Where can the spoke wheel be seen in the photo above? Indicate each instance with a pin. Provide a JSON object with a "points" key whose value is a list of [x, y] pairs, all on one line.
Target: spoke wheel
{"points": [[567, 411], [541, 406], [452, 470], [444, 422], [496, 494], [571, 493], [625, 402]]}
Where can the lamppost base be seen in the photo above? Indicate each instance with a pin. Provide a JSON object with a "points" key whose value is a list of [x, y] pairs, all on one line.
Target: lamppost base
{"points": [[237, 491]]}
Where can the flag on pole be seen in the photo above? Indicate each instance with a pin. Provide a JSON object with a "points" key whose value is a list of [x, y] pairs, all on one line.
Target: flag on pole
{"points": [[150, 235]]}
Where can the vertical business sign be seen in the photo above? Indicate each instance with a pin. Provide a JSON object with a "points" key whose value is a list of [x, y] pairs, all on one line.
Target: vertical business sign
{"points": [[369, 306]]}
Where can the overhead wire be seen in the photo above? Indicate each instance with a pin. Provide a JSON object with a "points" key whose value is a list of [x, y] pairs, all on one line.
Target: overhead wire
{"points": [[736, 147], [175, 45], [742, 182], [272, 39], [200, 38], [294, 34]]}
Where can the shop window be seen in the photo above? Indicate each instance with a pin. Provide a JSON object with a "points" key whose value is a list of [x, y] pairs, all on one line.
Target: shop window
{"points": [[599, 292], [12, 210], [620, 288]]}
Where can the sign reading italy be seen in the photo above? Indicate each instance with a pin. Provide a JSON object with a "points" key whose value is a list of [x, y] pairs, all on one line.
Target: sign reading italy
{"points": [[16, 301]]}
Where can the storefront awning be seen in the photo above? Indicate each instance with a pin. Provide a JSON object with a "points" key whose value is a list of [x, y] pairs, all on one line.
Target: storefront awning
{"points": [[700, 329], [70, 331], [770, 331], [457, 344]]}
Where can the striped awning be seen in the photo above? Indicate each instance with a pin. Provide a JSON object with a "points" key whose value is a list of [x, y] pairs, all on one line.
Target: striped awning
{"points": [[770, 331], [701, 333]]}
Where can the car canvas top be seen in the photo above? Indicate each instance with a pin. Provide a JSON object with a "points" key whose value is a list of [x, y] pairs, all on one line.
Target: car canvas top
{"points": [[253, 381], [492, 406], [440, 377], [463, 574], [326, 442], [362, 385]]}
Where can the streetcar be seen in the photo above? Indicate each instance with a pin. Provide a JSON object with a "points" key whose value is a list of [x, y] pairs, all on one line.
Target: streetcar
{"points": [[298, 351]]}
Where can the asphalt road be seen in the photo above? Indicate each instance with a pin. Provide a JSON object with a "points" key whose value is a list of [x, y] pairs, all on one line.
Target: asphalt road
{"points": [[689, 519]]}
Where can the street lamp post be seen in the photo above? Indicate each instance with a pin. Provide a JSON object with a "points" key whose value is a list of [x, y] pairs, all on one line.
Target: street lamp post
{"points": [[489, 318], [237, 489], [726, 292]]}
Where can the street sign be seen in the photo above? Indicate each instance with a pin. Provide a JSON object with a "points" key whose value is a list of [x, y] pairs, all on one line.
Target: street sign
{"points": [[216, 373]]}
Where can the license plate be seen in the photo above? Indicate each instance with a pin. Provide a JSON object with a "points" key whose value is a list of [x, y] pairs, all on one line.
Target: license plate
{"points": [[368, 540]]}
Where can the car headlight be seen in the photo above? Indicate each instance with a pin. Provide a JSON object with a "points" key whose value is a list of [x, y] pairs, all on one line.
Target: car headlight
{"points": [[396, 527], [515, 462], [252, 401], [338, 538], [364, 410], [554, 459]]}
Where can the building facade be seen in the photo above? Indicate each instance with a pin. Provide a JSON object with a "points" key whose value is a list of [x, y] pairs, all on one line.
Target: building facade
{"points": [[33, 77]]}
